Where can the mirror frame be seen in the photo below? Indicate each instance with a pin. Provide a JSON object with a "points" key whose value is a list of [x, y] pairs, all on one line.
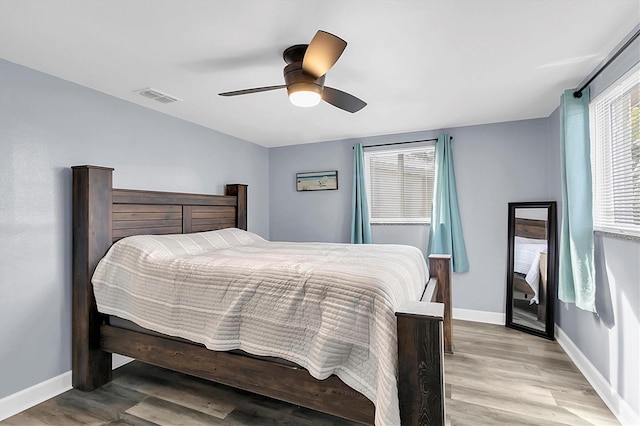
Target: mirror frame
{"points": [[552, 267]]}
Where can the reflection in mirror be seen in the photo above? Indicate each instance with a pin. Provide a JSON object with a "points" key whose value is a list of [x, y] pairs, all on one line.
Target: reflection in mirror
{"points": [[530, 267], [531, 242]]}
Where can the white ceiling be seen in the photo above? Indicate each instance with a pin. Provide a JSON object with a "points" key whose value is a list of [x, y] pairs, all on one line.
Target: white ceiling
{"points": [[419, 64]]}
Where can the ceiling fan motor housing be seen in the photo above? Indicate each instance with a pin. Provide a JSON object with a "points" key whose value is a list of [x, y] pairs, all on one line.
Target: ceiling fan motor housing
{"points": [[297, 80]]}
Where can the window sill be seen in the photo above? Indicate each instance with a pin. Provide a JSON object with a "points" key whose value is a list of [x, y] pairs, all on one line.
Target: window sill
{"points": [[617, 235]]}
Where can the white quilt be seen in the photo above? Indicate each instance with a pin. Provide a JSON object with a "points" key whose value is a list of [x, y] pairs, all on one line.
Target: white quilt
{"points": [[327, 307], [527, 261]]}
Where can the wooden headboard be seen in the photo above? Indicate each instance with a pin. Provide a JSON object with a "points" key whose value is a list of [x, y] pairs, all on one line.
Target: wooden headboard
{"points": [[148, 212], [135, 212], [531, 228]]}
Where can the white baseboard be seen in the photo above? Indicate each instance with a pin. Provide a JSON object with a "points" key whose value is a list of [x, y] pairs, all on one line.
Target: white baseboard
{"points": [[34, 395], [618, 406], [479, 316], [27, 398]]}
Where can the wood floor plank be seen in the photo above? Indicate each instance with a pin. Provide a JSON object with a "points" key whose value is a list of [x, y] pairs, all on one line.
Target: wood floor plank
{"points": [[496, 376], [587, 406], [126, 419], [256, 414], [468, 414], [515, 353], [505, 388], [54, 412], [203, 397], [511, 367], [165, 413], [517, 405]]}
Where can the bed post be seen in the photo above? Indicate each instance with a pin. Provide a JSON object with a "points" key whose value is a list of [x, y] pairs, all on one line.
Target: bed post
{"points": [[92, 225], [239, 190], [424, 334], [440, 269], [421, 364]]}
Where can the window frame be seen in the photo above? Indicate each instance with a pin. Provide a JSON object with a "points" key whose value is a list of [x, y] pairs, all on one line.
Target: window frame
{"points": [[612, 228], [401, 220]]}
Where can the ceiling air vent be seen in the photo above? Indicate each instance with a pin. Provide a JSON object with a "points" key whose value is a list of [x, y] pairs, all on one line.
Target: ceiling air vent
{"points": [[157, 95]]}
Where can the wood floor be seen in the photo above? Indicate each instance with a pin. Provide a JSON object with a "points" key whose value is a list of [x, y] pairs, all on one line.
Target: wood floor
{"points": [[497, 376]]}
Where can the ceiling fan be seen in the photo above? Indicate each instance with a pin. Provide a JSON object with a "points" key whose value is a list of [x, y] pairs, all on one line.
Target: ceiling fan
{"points": [[304, 74]]}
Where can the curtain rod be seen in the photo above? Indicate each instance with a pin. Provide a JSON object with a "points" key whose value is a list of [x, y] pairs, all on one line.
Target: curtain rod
{"points": [[578, 93], [402, 143]]}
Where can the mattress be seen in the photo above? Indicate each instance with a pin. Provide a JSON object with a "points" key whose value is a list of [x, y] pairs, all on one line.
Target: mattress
{"points": [[329, 308]]}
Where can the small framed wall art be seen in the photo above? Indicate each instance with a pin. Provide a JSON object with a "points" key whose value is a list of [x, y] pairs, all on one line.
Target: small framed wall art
{"points": [[317, 181]]}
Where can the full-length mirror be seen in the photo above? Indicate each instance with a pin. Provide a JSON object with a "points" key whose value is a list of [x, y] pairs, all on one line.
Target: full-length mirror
{"points": [[531, 271]]}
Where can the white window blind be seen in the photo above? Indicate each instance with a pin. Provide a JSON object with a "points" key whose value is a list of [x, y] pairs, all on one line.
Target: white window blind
{"points": [[400, 184], [615, 156]]}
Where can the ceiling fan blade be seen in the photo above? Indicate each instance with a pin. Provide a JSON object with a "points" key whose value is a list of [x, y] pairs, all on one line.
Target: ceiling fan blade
{"points": [[342, 100], [323, 52], [254, 90]]}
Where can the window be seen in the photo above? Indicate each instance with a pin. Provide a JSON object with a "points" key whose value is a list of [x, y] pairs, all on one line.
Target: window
{"points": [[615, 156], [400, 184]]}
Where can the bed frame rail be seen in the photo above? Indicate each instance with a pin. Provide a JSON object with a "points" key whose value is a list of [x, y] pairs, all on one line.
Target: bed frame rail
{"points": [[102, 215]]}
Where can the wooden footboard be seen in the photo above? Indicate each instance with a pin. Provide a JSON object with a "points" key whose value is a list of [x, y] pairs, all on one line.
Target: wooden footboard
{"points": [[102, 215], [423, 336]]}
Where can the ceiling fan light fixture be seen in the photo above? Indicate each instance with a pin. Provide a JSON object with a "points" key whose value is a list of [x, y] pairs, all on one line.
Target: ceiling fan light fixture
{"points": [[304, 94]]}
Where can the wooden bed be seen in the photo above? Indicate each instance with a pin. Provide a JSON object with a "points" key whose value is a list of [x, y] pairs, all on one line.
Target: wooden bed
{"points": [[102, 215], [536, 229]]}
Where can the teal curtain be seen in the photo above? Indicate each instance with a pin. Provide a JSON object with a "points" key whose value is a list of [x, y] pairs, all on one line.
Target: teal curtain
{"points": [[576, 278], [445, 233], [360, 225]]}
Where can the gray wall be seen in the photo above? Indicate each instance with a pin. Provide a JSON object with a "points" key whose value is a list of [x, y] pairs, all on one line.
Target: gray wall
{"points": [[310, 215], [494, 164], [48, 125], [609, 339]]}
